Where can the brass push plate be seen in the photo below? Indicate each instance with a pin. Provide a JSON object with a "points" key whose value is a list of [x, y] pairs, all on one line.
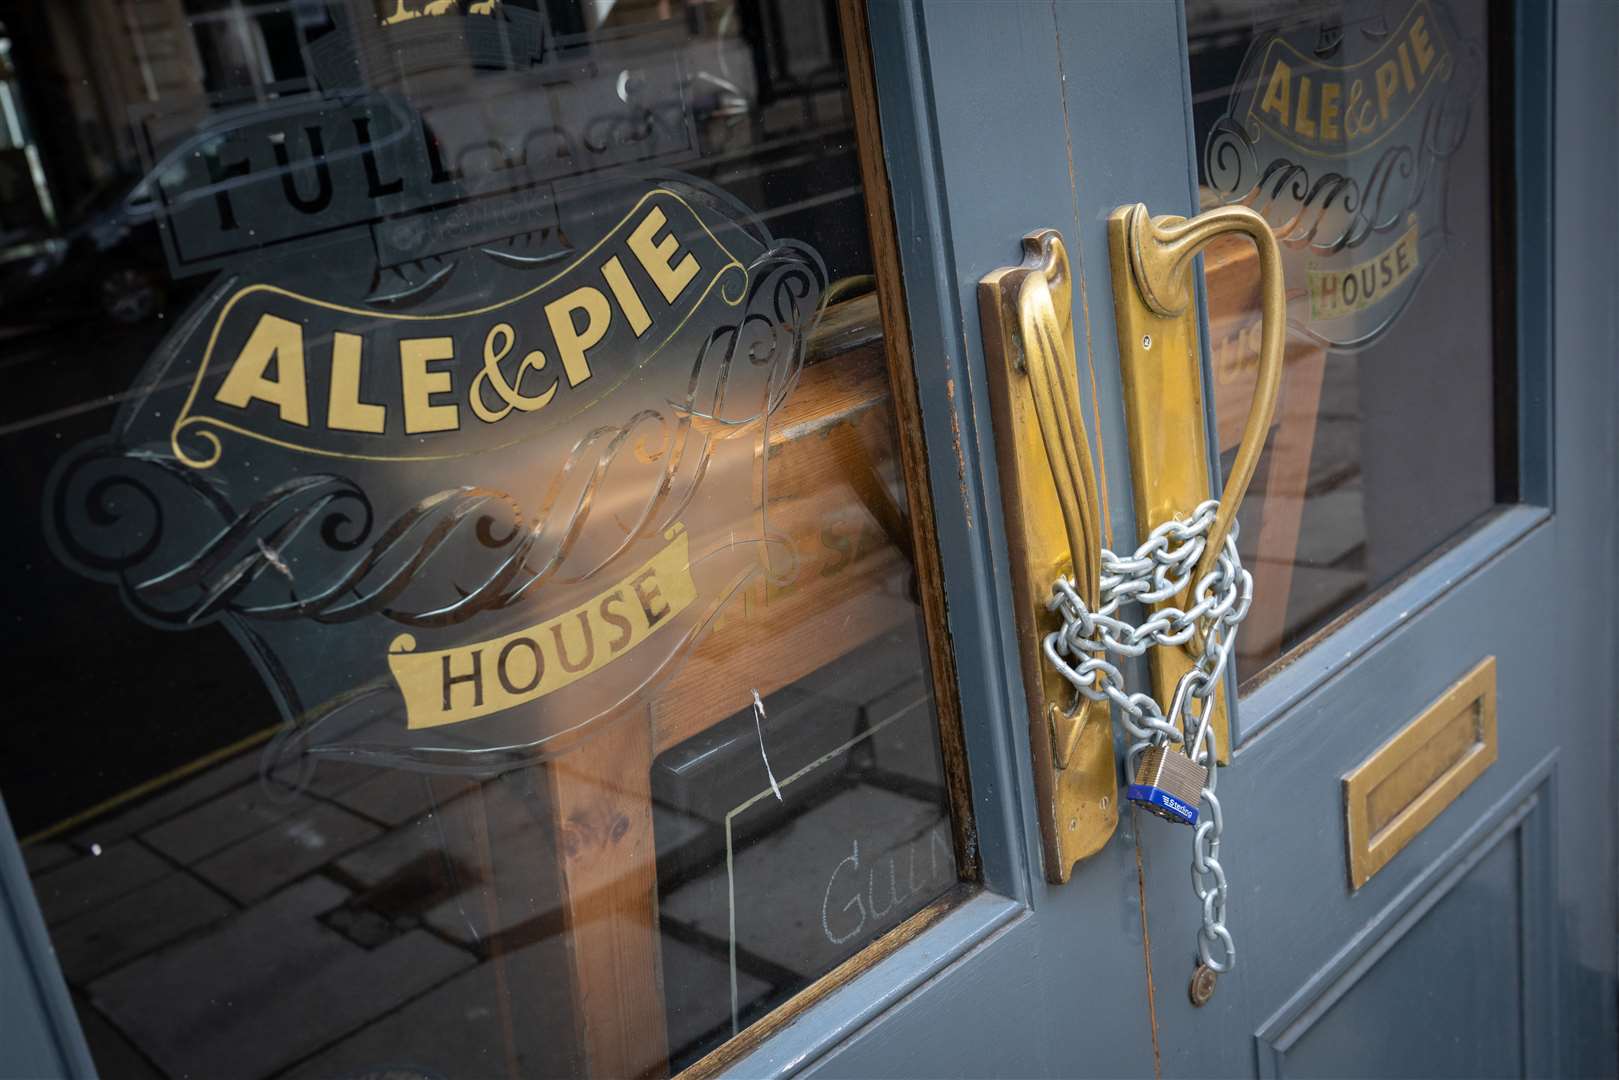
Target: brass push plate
{"points": [[1074, 766]]}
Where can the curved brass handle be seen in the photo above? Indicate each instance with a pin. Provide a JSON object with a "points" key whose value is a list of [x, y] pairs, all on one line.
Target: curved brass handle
{"points": [[1045, 317], [1043, 299], [1161, 253]]}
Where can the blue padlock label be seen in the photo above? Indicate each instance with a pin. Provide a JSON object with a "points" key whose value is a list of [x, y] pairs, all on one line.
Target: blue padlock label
{"points": [[1151, 796]]}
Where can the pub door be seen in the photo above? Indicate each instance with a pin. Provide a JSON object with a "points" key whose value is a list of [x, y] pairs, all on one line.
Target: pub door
{"points": [[478, 605], [534, 524], [1414, 871]]}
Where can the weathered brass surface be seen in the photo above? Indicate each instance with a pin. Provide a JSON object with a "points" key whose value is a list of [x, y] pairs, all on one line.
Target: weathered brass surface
{"points": [[1048, 492], [1409, 780], [1152, 262]]}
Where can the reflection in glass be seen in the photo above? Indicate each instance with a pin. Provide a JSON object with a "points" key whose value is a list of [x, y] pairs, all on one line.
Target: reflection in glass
{"points": [[1362, 131], [463, 565]]}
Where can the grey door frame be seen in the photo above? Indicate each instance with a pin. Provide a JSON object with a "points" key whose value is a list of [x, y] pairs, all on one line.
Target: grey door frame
{"points": [[39, 1030]]}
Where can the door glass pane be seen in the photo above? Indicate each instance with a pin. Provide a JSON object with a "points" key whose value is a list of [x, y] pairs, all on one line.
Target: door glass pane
{"points": [[461, 584], [1363, 131]]}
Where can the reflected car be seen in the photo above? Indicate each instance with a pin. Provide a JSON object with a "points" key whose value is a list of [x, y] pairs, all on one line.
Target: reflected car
{"points": [[108, 261], [107, 264]]}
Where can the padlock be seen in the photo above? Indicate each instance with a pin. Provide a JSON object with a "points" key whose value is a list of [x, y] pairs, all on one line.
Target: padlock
{"points": [[1169, 784]]}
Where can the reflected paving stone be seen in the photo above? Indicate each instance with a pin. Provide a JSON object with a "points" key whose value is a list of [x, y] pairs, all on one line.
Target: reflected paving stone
{"points": [[1335, 454], [249, 808], [461, 918], [391, 796], [291, 848], [907, 750], [805, 896], [114, 1057], [107, 937], [1333, 524], [868, 673], [90, 881], [267, 988], [331, 777], [701, 1012], [1318, 592], [39, 858], [205, 785], [388, 854], [459, 909], [498, 822], [677, 829], [459, 1029], [221, 822], [465, 917], [1337, 450], [506, 893]]}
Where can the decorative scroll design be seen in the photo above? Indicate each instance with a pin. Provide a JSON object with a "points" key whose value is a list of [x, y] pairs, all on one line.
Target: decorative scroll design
{"points": [[1343, 142], [1334, 211], [313, 547]]}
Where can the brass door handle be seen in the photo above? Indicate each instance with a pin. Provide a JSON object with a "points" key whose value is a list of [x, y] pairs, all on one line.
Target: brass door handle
{"points": [[1161, 364], [1045, 314], [1049, 481], [1161, 251], [1043, 297], [1053, 527]]}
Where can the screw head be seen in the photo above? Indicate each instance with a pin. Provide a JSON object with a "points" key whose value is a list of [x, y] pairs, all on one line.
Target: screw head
{"points": [[1146, 341], [1202, 988]]}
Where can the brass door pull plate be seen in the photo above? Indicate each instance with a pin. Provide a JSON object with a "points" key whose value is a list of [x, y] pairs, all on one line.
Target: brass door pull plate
{"points": [[1048, 478], [1151, 261], [1048, 493]]}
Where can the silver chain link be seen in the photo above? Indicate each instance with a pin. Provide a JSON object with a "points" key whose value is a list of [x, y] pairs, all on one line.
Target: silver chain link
{"points": [[1160, 569]]}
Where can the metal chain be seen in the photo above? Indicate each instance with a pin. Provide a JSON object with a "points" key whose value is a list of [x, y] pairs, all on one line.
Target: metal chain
{"points": [[1160, 569]]}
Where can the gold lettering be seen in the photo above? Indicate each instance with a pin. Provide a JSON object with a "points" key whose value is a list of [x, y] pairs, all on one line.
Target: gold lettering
{"points": [[273, 341], [1345, 290], [616, 620], [584, 662], [658, 257], [1303, 122], [1421, 45], [496, 344], [344, 409], [572, 341], [625, 294], [475, 677], [1278, 94], [426, 679], [1330, 92], [503, 666], [648, 596], [1388, 81], [420, 384]]}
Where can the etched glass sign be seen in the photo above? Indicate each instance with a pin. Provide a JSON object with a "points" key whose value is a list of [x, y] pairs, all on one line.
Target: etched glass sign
{"points": [[464, 566], [1341, 136], [1367, 135], [302, 468]]}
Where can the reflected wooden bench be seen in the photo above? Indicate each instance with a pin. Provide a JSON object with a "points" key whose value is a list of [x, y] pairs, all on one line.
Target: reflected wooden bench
{"points": [[834, 489], [1231, 273]]}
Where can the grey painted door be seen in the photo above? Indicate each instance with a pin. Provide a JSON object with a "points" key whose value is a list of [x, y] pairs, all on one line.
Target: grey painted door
{"points": [[1485, 946]]}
